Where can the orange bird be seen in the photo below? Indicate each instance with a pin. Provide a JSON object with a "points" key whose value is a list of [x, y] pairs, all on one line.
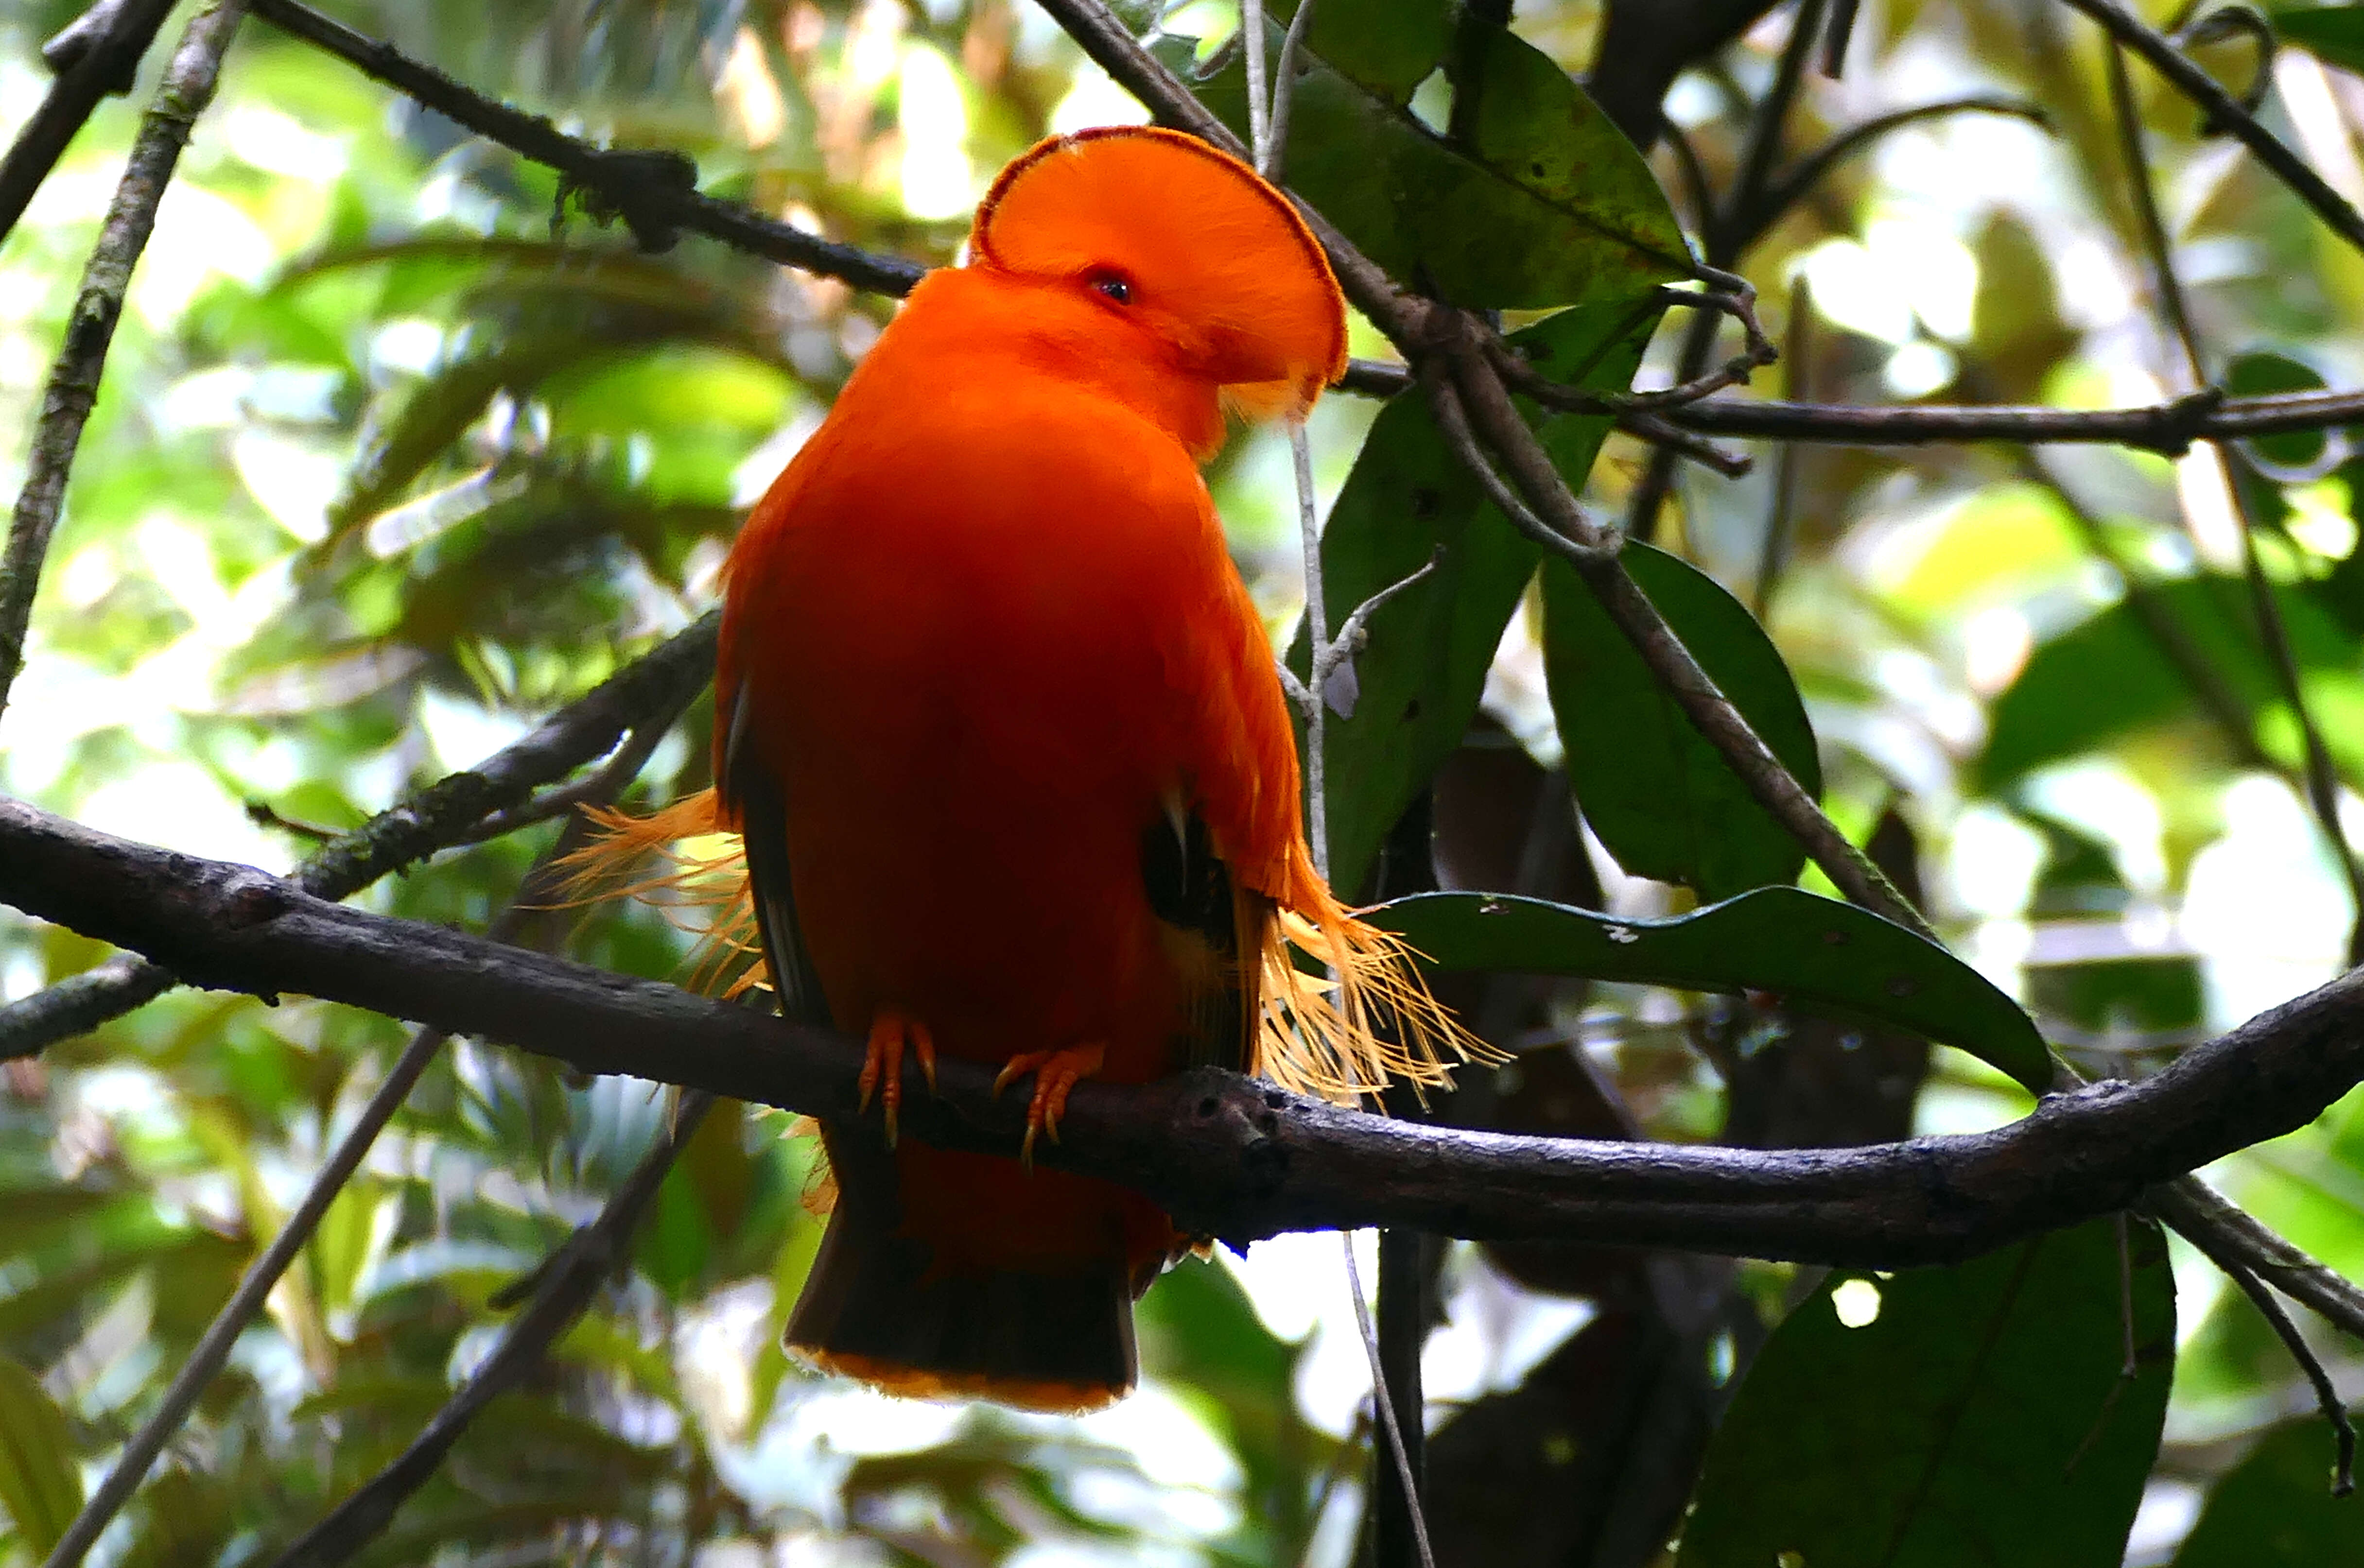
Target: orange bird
{"points": [[1001, 733]]}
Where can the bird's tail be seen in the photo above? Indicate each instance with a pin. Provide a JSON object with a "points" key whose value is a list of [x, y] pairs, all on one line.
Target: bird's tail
{"points": [[894, 1298]]}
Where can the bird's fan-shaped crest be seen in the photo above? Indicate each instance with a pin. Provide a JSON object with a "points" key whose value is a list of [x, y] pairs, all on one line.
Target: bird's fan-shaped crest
{"points": [[1208, 250]]}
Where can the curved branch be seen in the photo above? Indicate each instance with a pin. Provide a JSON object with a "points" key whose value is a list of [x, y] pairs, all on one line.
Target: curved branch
{"points": [[72, 389], [1227, 1156], [1782, 194], [2224, 112]]}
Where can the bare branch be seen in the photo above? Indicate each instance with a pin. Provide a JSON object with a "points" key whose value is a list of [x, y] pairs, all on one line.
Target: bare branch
{"points": [[2326, 1397], [1785, 192], [96, 55], [654, 193], [2224, 112], [444, 813], [66, 402], [2320, 775]]}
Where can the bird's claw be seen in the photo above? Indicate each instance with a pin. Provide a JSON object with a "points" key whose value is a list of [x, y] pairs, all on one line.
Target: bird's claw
{"points": [[882, 1063], [1055, 1073]]}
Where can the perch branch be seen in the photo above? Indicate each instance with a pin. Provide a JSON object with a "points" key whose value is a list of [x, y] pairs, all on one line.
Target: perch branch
{"points": [[1240, 1159]]}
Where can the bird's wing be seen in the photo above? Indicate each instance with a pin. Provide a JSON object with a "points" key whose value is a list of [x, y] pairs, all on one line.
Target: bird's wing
{"points": [[750, 795]]}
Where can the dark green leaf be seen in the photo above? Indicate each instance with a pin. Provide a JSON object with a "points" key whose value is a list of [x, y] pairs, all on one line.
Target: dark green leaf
{"points": [[39, 1483], [2049, 712], [1980, 1419], [1416, 685], [1543, 203], [1661, 797], [1796, 944], [2332, 33], [2275, 1509], [2260, 374]]}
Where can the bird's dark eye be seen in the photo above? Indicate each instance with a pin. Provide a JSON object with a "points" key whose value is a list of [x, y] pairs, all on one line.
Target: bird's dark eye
{"points": [[1114, 286]]}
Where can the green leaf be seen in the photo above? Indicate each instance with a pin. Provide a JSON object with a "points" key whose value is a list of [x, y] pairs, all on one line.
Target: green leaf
{"points": [[2050, 712], [2334, 34], [2262, 373], [2275, 1509], [39, 1485], [1661, 798], [1417, 682], [1540, 202], [185, 1521], [1801, 946], [1979, 1419]]}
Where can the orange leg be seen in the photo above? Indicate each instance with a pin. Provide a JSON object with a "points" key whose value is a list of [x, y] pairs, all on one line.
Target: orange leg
{"points": [[1055, 1073], [882, 1065]]}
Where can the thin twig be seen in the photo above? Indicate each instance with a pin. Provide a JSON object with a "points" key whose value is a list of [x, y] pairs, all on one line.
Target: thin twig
{"points": [[1386, 1406], [654, 193], [213, 1348], [2143, 600], [1796, 354], [599, 786], [1787, 190], [1731, 224], [437, 818], [96, 56], [585, 1263], [2321, 777], [1283, 91], [2169, 428], [2326, 1396], [2224, 112], [66, 402]]}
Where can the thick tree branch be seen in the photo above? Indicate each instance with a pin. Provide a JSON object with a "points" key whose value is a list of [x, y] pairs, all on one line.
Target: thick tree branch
{"points": [[96, 55], [73, 390], [1228, 1156], [449, 812]]}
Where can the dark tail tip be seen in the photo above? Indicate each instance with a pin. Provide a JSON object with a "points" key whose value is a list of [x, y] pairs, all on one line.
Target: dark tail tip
{"points": [[870, 1309]]}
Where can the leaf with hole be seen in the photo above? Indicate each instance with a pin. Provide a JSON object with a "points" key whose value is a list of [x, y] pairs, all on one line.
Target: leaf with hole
{"points": [[1418, 679], [1796, 944], [1661, 797], [1951, 1417]]}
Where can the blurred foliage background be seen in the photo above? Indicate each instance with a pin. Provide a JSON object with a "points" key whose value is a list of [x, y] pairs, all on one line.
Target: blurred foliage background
{"points": [[388, 465]]}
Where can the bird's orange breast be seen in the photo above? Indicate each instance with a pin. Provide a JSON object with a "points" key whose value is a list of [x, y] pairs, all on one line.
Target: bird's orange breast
{"points": [[954, 621]]}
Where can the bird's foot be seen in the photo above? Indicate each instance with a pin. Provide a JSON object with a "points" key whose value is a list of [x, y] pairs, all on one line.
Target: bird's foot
{"points": [[882, 1065], [1055, 1073]]}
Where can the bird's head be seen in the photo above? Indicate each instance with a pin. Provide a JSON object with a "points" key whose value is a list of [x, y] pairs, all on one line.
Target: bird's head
{"points": [[1180, 248]]}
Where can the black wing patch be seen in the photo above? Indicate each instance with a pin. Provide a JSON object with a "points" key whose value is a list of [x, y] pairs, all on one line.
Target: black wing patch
{"points": [[1190, 891], [751, 792]]}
